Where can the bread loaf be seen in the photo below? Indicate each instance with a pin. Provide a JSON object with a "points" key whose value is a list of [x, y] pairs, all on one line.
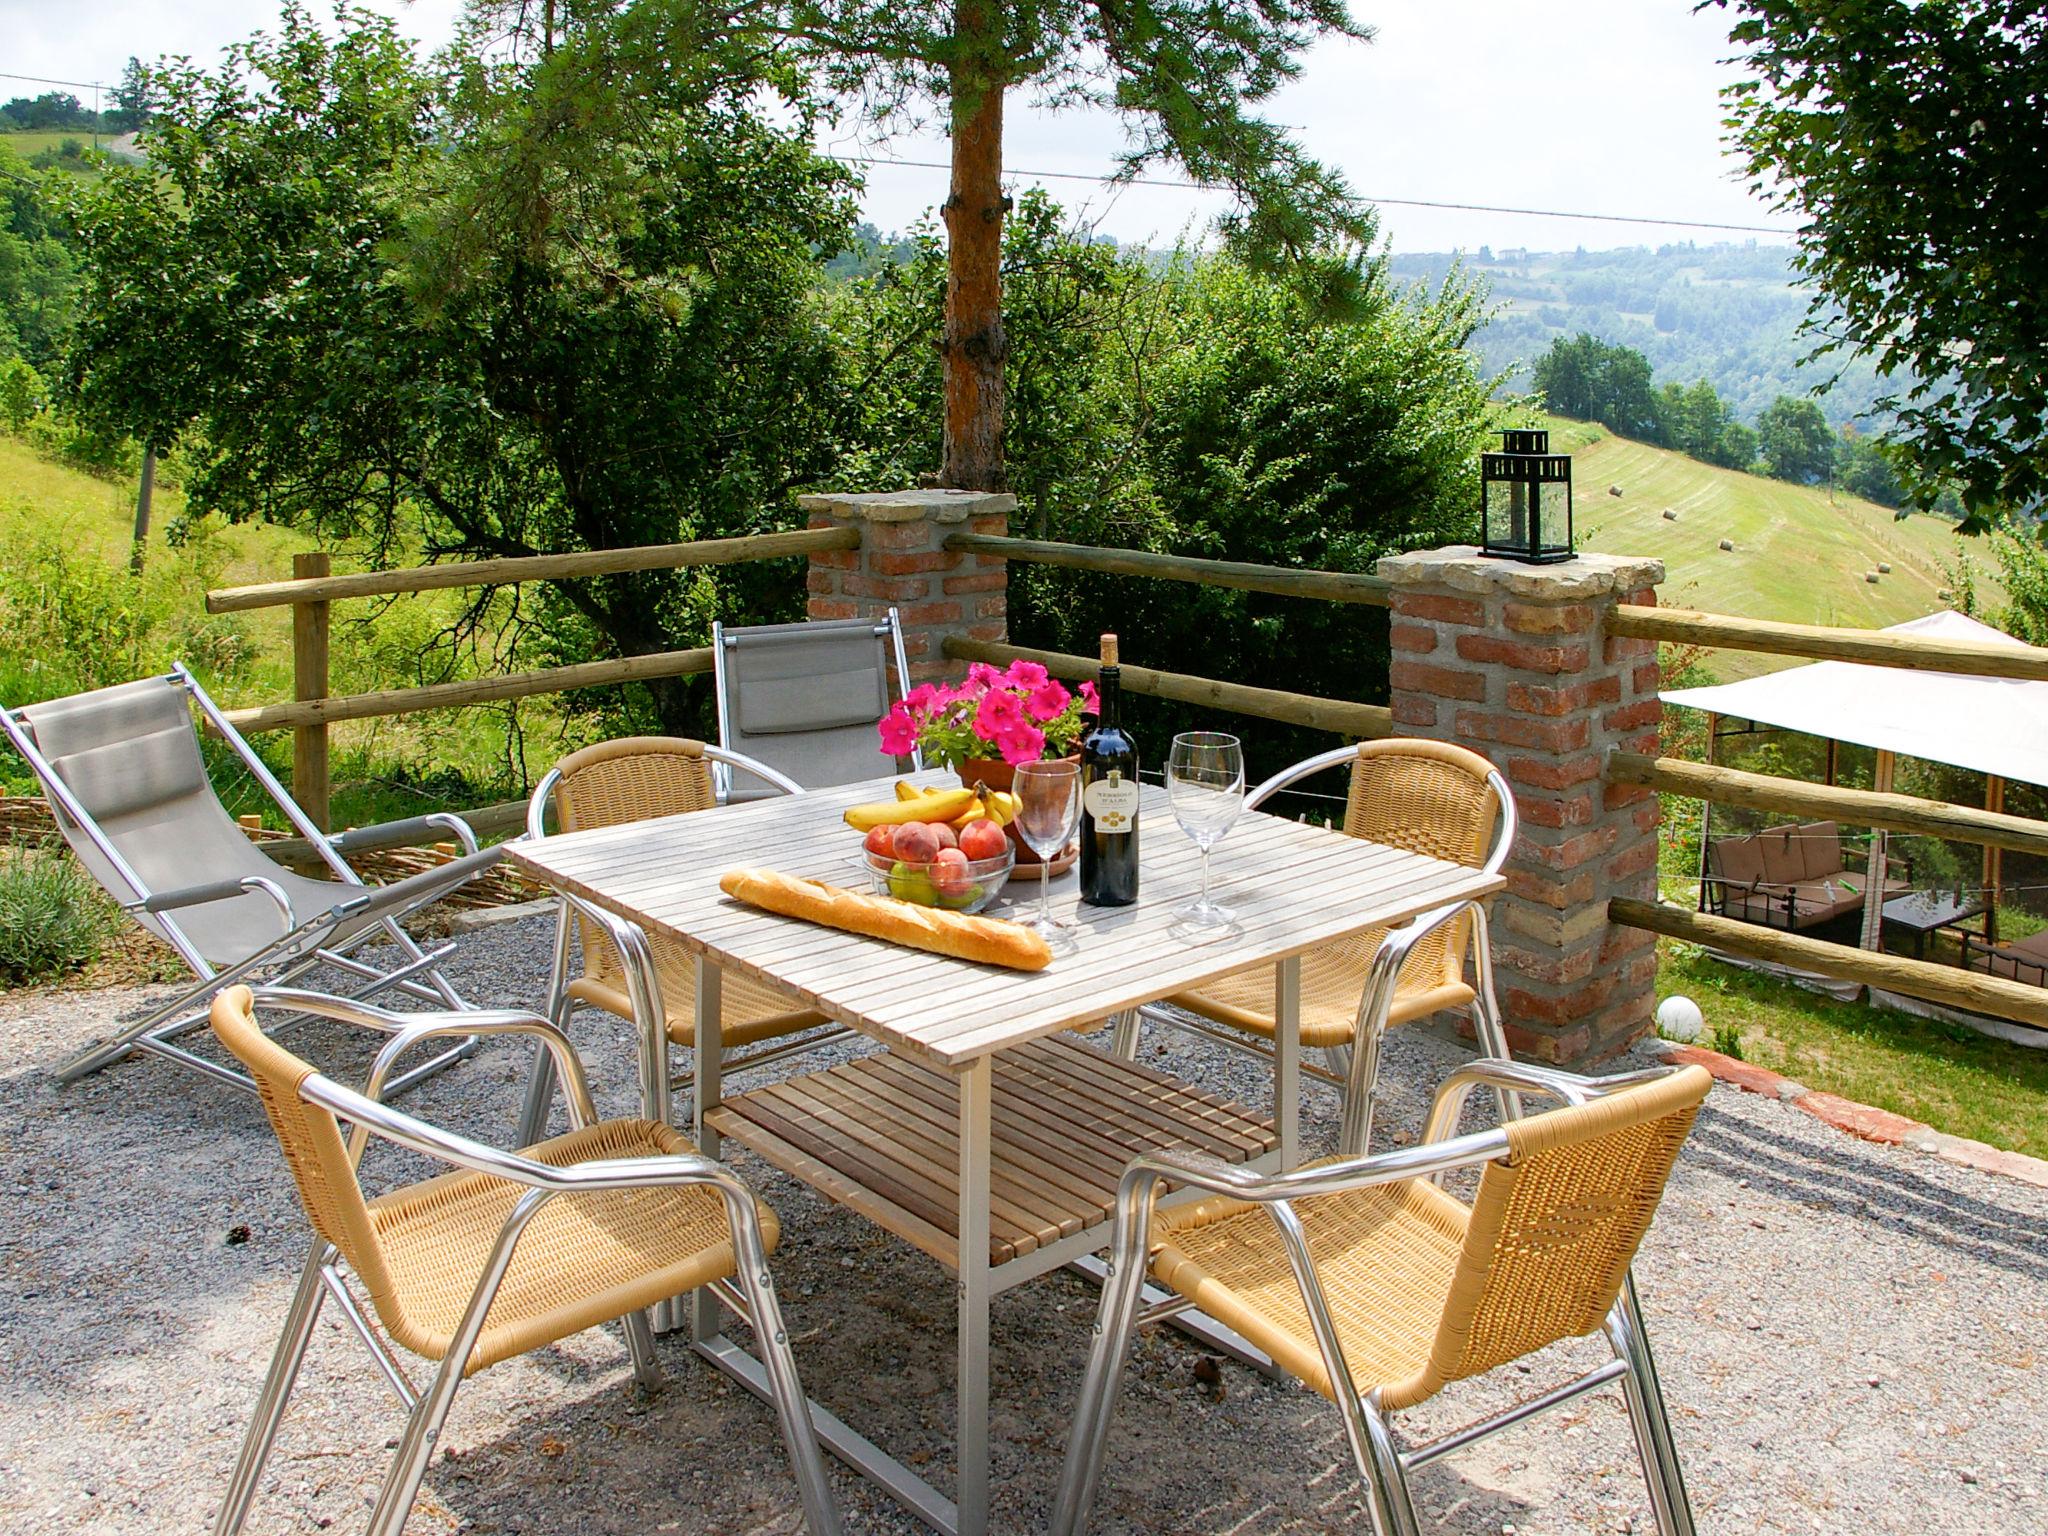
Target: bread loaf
{"points": [[984, 939]]}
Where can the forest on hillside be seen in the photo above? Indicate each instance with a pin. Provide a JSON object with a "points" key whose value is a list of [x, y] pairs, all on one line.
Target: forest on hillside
{"points": [[1728, 314]]}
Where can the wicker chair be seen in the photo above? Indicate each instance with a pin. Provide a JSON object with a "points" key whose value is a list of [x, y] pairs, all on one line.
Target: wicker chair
{"points": [[510, 1252], [648, 979], [1369, 1283], [1428, 797]]}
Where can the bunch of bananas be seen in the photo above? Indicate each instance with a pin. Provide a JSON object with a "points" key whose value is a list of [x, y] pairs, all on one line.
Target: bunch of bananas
{"points": [[955, 807]]}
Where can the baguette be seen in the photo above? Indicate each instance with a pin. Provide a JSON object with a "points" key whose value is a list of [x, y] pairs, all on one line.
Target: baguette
{"points": [[987, 940]]}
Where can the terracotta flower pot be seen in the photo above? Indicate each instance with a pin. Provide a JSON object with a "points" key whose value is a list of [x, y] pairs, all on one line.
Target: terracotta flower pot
{"points": [[997, 774]]}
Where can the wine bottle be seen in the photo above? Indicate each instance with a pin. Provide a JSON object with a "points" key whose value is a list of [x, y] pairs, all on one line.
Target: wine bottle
{"points": [[1109, 796]]}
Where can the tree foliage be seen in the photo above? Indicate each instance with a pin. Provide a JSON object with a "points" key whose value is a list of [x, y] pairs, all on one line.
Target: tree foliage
{"points": [[1908, 135], [38, 263], [1794, 441]]}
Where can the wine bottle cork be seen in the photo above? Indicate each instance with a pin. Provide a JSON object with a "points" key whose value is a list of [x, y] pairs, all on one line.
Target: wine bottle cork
{"points": [[1109, 650]]}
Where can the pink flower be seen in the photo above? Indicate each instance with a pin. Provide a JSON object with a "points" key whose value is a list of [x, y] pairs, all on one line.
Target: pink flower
{"points": [[923, 698], [1027, 675], [1090, 704], [999, 711], [1022, 743], [981, 677], [1047, 701], [899, 733]]}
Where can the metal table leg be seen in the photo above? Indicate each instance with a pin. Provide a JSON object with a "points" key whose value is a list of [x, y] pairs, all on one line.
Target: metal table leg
{"points": [[970, 1496], [1287, 1058], [709, 1054]]}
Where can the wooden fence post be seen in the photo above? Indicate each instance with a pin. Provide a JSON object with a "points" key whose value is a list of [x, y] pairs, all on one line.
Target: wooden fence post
{"points": [[309, 681]]}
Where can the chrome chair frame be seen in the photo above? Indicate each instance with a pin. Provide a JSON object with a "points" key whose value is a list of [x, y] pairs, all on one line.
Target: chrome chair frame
{"points": [[721, 776], [1382, 1464], [1356, 1069], [643, 982], [328, 938], [323, 1276]]}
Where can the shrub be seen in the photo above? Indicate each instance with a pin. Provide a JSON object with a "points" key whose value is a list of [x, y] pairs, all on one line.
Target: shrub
{"points": [[52, 917], [22, 393]]}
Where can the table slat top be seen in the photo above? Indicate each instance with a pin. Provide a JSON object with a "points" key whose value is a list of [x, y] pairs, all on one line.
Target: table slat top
{"points": [[1292, 886]]}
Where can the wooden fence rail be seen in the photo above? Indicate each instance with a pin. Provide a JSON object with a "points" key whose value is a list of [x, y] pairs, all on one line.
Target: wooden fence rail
{"points": [[1873, 647], [1321, 714], [501, 573], [1946, 984], [1859, 807], [1280, 580]]}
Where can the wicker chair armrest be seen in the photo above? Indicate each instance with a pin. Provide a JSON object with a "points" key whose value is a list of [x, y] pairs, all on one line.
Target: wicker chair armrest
{"points": [[1566, 1088], [1308, 767], [1195, 1171]]}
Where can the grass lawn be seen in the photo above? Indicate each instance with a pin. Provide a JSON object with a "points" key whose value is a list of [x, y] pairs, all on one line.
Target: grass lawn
{"points": [[1952, 1078]]}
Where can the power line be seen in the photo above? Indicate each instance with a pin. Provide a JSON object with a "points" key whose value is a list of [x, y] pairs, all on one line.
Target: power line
{"points": [[1398, 202], [84, 85]]}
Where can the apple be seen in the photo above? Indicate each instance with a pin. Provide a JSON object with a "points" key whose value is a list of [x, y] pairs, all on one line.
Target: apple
{"points": [[983, 839], [909, 883], [949, 874], [948, 838], [916, 843], [881, 842]]}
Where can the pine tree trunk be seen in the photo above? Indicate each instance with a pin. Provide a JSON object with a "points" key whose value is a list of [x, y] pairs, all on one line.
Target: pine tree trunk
{"points": [[975, 347]]}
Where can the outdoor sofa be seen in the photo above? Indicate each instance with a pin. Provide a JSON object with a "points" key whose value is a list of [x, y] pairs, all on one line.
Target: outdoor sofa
{"points": [[1789, 877]]}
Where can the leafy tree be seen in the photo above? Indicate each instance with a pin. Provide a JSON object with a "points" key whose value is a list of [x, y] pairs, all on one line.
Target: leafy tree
{"points": [[38, 269], [22, 393], [134, 98], [1794, 442], [1186, 76], [1587, 378], [1863, 467], [519, 307], [1908, 136]]}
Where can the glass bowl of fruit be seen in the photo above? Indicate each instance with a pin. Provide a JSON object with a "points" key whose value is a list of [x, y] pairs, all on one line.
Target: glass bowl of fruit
{"points": [[934, 865]]}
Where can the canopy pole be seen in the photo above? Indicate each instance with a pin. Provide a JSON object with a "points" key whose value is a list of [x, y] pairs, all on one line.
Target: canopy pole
{"points": [[1873, 875], [1707, 809], [1834, 760], [1994, 859]]}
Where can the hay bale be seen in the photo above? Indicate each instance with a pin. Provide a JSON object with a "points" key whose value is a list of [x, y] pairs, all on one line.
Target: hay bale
{"points": [[1670, 515], [1727, 543], [1943, 594], [1614, 490], [1871, 577], [1884, 568]]}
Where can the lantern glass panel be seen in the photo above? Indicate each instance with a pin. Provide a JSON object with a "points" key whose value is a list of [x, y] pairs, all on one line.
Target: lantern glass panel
{"points": [[1527, 505]]}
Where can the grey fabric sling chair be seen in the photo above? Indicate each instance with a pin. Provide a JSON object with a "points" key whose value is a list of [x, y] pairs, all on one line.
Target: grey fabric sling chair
{"points": [[805, 699], [130, 793]]}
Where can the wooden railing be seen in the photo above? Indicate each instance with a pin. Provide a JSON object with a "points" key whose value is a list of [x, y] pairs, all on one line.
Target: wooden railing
{"points": [[1819, 642], [1281, 581]]}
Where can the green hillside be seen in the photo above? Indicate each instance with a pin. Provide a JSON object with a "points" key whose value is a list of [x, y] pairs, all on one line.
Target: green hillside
{"points": [[1800, 551]]}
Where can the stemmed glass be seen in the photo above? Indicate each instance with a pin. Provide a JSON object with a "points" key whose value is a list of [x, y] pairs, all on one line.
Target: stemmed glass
{"points": [[1048, 811], [1205, 784]]}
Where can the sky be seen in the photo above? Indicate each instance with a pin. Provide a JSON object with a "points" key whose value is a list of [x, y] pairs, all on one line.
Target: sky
{"points": [[1591, 106]]}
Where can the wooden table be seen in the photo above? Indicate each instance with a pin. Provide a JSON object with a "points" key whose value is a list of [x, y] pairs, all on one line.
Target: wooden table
{"points": [[986, 1135]]}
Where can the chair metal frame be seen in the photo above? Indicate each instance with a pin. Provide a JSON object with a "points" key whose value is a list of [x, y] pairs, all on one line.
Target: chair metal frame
{"points": [[1382, 1464], [721, 637], [324, 1276], [1356, 1068], [643, 982], [303, 944]]}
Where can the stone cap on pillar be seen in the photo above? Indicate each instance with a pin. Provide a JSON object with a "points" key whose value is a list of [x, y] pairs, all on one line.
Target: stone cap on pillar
{"points": [[936, 506], [1461, 568]]}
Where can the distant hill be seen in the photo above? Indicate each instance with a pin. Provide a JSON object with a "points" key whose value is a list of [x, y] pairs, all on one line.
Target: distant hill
{"points": [[1728, 314], [1800, 551]]}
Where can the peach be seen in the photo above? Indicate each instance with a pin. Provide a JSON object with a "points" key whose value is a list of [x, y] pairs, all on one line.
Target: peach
{"points": [[948, 838], [916, 843], [881, 842], [949, 873], [983, 839]]}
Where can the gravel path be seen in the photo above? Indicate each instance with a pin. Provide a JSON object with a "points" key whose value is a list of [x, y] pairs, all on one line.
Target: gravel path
{"points": [[1851, 1338]]}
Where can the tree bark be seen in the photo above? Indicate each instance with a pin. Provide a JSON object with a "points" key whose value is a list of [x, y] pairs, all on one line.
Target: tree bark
{"points": [[975, 347]]}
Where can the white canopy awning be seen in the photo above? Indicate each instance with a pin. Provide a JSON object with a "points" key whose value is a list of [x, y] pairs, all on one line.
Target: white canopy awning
{"points": [[1994, 725]]}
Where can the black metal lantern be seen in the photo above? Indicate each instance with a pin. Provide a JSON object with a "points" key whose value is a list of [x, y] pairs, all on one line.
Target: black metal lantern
{"points": [[1525, 505]]}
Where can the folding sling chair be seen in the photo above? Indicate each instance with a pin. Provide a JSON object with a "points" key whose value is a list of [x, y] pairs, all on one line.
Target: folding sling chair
{"points": [[129, 791], [805, 700]]}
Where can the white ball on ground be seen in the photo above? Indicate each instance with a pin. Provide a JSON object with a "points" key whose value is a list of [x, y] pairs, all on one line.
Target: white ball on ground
{"points": [[1680, 1019]]}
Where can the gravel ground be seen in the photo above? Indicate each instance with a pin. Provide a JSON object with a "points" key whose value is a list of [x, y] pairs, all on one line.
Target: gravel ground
{"points": [[1850, 1337]]}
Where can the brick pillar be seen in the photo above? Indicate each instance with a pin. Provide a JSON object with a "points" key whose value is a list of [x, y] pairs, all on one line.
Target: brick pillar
{"points": [[902, 564], [1514, 662]]}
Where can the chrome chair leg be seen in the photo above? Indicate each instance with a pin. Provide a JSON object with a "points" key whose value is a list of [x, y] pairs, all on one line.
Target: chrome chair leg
{"points": [[1123, 1035], [1361, 1089], [1647, 1417], [556, 1007], [277, 1390], [640, 1345], [1124, 1284], [1386, 1481], [1338, 1059], [1487, 1025]]}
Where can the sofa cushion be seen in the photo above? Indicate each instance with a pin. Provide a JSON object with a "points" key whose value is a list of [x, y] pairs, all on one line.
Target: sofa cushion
{"points": [[1820, 849], [1782, 863], [1740, 859], [1826, 898]]}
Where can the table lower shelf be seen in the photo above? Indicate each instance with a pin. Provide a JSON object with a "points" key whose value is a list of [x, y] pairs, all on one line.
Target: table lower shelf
{"points": [[882, 1136]]}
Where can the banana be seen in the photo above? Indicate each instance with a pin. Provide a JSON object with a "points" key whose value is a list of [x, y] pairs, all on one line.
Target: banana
{"points": [[907, 791], [1003, 807], [943, 805], [977, 808]]}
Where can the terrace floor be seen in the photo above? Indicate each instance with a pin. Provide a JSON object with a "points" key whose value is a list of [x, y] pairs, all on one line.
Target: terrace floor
{"points": [[1852, 1339]]}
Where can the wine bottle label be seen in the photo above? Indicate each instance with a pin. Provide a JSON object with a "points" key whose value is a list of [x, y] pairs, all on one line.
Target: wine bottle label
{"points": [[1112, 802]]}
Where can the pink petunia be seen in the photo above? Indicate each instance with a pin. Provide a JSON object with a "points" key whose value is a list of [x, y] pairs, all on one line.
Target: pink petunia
{"points": [[981, 676], [1047, 701], [922, 698], [1090, 704], [899, 733], [999, 711], [1022, 744], [1027, 675]]}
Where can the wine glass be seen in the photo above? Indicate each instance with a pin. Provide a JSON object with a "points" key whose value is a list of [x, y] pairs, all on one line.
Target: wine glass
{"points": [[1048, 811], [1205, 784]]}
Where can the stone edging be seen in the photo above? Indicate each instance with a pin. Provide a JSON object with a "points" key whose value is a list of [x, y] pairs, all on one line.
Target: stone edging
{"points": [[1860, 1120]]}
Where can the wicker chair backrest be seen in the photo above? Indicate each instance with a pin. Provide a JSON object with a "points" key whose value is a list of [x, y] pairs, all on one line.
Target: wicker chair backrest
{"points": [[1429, 797], [314, 1148], [1556, 1224]]}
